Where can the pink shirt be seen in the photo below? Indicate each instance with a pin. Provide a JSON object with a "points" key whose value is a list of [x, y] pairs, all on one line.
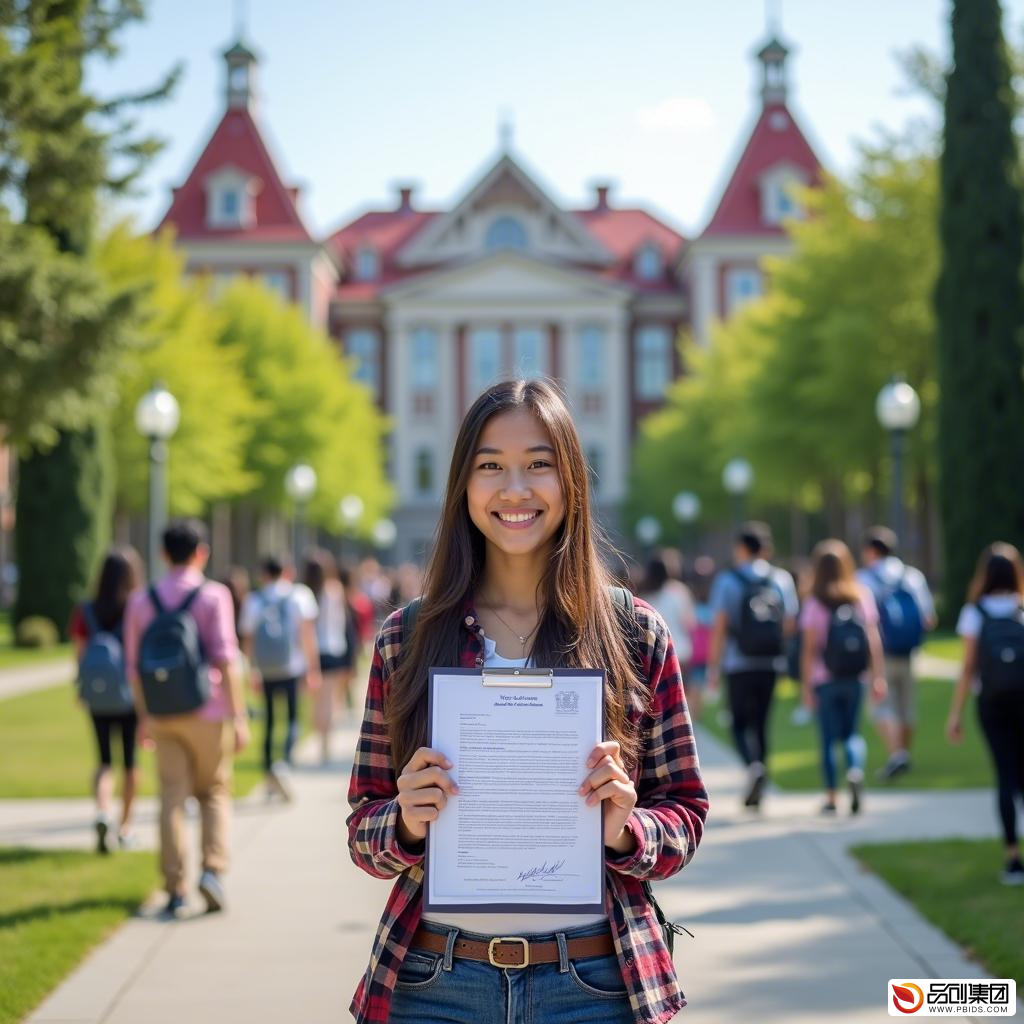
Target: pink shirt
{"points": [[816, 617], [215, 618]]}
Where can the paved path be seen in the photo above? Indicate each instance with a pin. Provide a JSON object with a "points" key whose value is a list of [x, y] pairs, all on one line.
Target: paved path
{"points": [[787, 927], [26, 678]]}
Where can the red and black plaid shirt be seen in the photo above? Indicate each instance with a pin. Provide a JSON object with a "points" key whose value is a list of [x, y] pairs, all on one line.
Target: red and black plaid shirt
{"points": [[667, 824]]}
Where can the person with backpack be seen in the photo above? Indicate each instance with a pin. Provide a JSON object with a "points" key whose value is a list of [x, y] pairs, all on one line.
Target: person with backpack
{"points": [[992, 625], [840, 649], [182, 658], [337, 637], [755, 606], [102, 688], [906, 613], [515, 578], [278, 627]]}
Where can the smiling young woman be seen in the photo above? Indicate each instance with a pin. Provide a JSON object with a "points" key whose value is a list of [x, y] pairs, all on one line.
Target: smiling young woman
{"points": [[515, 578]]}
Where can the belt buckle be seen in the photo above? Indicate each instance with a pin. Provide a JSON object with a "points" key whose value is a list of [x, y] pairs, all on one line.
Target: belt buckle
{"points": [[509, 938]]}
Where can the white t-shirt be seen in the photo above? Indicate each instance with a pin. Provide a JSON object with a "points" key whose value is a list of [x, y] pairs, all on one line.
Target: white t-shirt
{"points": [[512, 924], [331, 622], [674, 604], [999, 606], [302, 607]]}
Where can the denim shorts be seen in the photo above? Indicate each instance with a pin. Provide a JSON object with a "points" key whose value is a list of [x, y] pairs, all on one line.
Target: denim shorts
{"points": [[433, 987]]}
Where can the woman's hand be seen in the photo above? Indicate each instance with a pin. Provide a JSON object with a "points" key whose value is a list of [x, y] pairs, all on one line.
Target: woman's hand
{"points": [[423, 790], [879, 688], [608, 781], [954, 733]]}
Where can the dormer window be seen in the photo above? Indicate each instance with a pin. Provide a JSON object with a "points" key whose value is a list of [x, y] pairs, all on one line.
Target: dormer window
{"points": [[648, 264], [230, 197], [505, 233], [367, 264], [777, 201]]}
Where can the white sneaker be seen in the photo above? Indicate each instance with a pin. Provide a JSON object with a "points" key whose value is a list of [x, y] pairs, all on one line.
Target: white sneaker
{"points": [[278, 779]]}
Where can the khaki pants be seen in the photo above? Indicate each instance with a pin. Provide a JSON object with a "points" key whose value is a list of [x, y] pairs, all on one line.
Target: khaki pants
{"points": [[194, 758]]}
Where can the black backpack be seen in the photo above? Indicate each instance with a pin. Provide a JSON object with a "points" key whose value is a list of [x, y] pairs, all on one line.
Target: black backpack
{"points": [[1001, 653], [847, 651], [174, 674], [102, 679], [623, 601], [759, 631]]}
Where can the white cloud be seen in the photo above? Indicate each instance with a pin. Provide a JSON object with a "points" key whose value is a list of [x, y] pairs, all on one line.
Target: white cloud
{"points": [[677, 114]]}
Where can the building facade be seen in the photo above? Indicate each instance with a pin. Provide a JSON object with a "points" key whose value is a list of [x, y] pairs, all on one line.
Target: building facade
{"points": [[433, 305]]}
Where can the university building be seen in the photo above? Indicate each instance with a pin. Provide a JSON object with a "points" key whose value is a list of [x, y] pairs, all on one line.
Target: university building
{"points": [[433, 305]]}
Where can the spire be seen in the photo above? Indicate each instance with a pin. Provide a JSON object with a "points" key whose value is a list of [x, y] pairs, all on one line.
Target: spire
{"points": [[506, 130], [241, 75], [772, 56]]}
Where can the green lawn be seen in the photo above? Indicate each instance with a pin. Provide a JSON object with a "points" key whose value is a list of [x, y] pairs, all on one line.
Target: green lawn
{"points": [[56, 906], [12, 657], [794, 753], [944, 645], [49, 748], [954, 883]]}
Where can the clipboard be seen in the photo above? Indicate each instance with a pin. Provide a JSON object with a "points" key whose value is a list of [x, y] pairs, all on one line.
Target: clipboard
{"points": [[535, 682]]}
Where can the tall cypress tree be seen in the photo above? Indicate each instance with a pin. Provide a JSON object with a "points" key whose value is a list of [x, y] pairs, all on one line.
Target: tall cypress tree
{"points": [[980, 301], [56, 157]]}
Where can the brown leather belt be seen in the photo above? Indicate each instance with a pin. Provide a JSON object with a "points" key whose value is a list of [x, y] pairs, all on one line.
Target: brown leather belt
{"points": [[513, 951]]}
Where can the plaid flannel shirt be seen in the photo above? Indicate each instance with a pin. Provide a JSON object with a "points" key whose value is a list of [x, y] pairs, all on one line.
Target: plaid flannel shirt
{"points": [[667, 824]]}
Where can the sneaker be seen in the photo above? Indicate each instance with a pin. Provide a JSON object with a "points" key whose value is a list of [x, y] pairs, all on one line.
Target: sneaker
{"points": [[828, 808], [855, 780], [1013, 873], [127, 840], [102, 833], [212, 891], [277, 780], [755, 785], [174, 908], [894, 767]]}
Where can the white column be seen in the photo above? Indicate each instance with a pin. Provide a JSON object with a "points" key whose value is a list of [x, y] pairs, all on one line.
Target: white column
{"points": [[617, 370], [705, 292]]}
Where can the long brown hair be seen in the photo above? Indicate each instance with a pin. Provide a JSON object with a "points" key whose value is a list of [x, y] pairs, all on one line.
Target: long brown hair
{"points": [[579, 625], [120, 574], [834, 581], [999, 571]]}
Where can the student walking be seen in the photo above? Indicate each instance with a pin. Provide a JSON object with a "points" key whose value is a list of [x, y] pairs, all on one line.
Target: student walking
{"points": [[755, 606], [102, 688], [278, 628], [515, 579], [992, 625], [337, 638], [181, 652], [840, 648], [672, 600], [906, 612]]}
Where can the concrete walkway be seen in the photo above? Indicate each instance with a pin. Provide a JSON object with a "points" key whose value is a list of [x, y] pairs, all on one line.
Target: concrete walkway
{"points": [[26, 678], [787, 927]]}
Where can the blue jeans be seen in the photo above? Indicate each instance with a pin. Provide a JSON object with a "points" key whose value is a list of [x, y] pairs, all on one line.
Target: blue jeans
{"points": [[839, 703], [435, 987]]}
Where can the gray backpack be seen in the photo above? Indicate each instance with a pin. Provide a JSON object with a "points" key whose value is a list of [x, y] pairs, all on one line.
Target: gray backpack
{"points": [[273, 643], [102, 679]]}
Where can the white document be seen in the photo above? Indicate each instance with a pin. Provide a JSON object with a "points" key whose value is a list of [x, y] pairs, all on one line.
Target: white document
{"points": [[518, 836]]}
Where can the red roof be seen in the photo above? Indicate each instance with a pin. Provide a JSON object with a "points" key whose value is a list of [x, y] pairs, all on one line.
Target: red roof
{"points": [[776, 139], [236, 142], [623, 232]]}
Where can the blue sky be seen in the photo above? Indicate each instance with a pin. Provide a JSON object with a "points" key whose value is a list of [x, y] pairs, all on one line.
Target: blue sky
{"points": [[653, 95]]}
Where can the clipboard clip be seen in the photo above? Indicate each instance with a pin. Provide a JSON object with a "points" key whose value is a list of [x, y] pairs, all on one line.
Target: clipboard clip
{"points": [[540, 678]]}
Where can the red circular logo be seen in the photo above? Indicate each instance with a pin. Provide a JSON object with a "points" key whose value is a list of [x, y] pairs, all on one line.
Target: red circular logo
{"points": [[908, 992]]}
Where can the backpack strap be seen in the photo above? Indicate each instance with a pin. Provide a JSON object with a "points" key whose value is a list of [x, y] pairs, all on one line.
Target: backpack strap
{"points": [[186, 604], [91, 622], [409, 615], [155, 598]]}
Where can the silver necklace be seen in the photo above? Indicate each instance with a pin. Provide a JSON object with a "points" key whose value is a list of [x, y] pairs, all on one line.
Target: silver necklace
{"points": [[522, 639]]}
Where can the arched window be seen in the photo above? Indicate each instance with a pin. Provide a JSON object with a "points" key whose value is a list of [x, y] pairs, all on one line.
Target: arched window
{"points": [[367, 264], [505, 233], [649, 266]]}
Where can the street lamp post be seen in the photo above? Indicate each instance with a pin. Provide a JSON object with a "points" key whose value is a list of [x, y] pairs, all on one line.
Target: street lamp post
{"points": [[156, 419], [648, 532], [898, 409], [737, 479], [350, 511], [300, 485], [384, 534], [686, 509]]}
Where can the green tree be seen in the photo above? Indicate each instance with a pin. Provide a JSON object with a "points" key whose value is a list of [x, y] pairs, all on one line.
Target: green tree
{"points": [[59, 147], [979, 300], [180, 346], [310, 410]]}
